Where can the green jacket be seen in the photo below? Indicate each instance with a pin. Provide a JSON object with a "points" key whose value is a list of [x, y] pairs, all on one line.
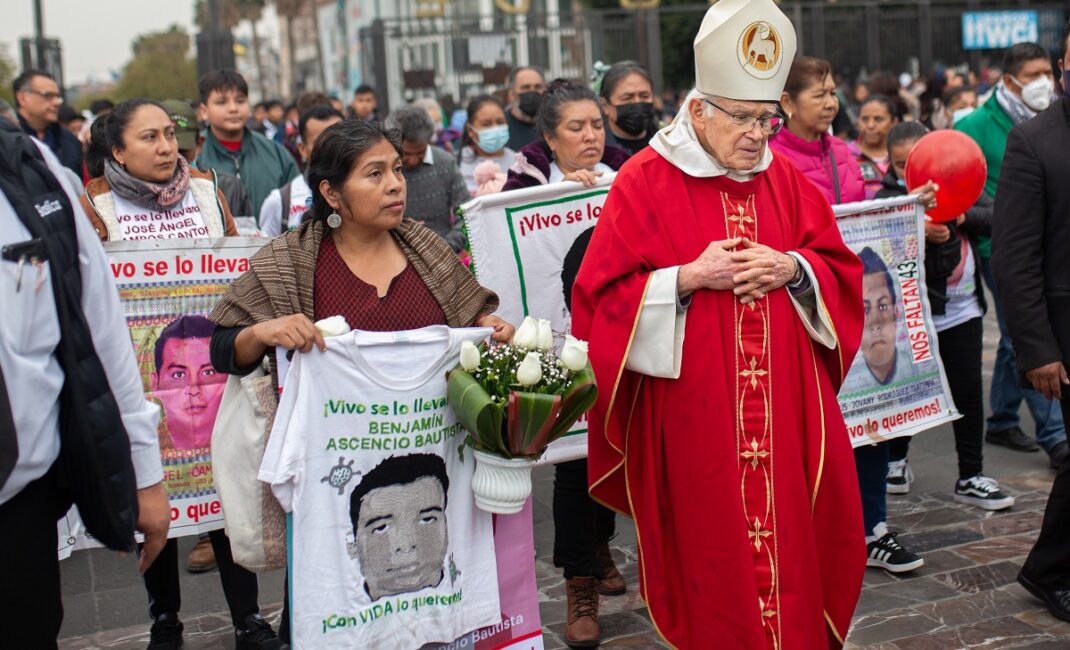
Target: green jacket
{"points": [[989, 127], [261, 164]]}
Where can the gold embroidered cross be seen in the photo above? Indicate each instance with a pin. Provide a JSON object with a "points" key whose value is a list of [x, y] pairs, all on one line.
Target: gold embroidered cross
{"points": [[753, 373], [757, 534], [741, 219], [753, 454]]}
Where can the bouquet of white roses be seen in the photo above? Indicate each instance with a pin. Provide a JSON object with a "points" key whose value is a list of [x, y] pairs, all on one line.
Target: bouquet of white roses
{"points": [[515, 399]]}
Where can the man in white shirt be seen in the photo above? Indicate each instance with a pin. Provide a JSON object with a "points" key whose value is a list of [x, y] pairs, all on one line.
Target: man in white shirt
{"points": [[31, 497], [285, 207]]}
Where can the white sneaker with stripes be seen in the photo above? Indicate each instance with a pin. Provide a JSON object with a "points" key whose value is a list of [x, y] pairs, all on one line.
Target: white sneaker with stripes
{"points": [[885, 552]]}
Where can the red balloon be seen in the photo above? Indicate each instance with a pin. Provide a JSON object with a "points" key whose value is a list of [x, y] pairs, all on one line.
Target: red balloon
{"points": [[953, 161]]}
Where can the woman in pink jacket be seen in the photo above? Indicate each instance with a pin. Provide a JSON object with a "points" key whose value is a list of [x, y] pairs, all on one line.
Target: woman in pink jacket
{"points": [[809, 100]]}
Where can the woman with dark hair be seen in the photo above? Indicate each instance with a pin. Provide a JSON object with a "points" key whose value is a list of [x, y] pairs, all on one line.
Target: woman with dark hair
{"points": [[627, 97], [810, 102], [354, 256], [485, 134], [876, 117], [571, 147], [572, 141], [147, 190]]}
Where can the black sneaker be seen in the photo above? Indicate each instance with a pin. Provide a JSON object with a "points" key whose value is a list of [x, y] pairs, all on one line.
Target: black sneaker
{"points": [[166, 633], [888, 554], [256, 634], [1013, 438], [982, 492], [900, 476]]}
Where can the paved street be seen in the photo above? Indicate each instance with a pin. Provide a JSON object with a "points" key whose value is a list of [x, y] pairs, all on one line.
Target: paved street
{"points": [[965, 596]]}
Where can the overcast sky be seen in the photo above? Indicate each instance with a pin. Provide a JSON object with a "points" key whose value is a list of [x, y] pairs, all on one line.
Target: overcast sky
{"points": [[95, 34]]}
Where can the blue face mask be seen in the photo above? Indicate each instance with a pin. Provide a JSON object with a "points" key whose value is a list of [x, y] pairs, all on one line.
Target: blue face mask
{"points": [[492, 140], [901, 182]]}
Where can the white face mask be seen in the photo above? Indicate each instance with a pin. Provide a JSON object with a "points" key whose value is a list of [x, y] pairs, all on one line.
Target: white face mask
{"points": [[1037, 93], [961, 114]]}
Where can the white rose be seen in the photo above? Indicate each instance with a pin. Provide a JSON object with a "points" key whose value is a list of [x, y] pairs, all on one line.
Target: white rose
{"points": [[574, 353], [530, 371], [333, 326], [527, 335], [545, 336], [469, 356]]}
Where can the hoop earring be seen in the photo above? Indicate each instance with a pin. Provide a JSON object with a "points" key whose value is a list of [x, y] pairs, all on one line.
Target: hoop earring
{"points": [[334, 220]]}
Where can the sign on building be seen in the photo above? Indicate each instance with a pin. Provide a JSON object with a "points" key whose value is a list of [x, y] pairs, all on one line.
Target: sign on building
{"points": [[997, 30]]}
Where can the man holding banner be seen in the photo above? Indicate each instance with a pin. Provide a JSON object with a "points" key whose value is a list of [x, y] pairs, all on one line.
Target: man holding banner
{"points": [[723, 311]]}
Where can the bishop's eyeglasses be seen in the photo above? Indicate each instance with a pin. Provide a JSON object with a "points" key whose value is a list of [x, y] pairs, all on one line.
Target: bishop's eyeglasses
{"points": [[769, 124]]}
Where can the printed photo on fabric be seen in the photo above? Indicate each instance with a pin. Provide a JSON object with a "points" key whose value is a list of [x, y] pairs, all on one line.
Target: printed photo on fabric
{"points": [[388, 548], [896, 385]]}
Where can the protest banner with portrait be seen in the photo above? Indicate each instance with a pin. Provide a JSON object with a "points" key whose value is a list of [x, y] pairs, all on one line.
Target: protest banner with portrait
{"points": [[167, 288], [896, 385], [527, 246]]}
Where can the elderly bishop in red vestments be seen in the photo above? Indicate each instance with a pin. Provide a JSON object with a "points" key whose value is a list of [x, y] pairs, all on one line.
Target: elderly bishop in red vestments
{"points": [[723, 311]]}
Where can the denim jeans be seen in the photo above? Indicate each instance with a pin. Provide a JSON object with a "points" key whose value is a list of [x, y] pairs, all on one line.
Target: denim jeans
{"points": [[871, 463], [1006, 396]]}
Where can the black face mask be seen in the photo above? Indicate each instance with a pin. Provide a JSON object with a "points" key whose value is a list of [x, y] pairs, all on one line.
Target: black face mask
{"points": [[529, 102], [635, 119]]}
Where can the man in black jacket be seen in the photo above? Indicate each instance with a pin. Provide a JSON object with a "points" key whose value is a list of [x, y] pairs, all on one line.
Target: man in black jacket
{"points": [[37, 100], [1030, 240]]}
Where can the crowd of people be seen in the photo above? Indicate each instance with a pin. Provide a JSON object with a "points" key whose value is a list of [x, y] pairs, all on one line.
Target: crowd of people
{"points": [[367, 209]]}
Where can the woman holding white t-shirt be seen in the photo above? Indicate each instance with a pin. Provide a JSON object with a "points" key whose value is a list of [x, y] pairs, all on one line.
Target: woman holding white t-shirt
{"points": [[148, 191]]}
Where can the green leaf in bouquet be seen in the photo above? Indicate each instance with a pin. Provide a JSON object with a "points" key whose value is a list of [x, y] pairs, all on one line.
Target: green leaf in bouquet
{"points": [[476, 411], [530, 422], [578, 398]]}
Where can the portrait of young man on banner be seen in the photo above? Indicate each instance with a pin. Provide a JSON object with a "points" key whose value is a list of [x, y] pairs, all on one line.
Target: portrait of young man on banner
{"points": [[881, 350], [186, 384]]}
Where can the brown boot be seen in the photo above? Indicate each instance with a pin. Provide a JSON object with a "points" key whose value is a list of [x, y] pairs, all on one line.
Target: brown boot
{"points": [[201, 558], [613, 584], [582, 630]]}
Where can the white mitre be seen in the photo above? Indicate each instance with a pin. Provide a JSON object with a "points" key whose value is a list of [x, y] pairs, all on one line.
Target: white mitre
{"points": [[743, 51]]}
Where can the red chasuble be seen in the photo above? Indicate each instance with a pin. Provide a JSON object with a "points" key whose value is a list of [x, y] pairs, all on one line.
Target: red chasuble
{"points": [[739, 474]]}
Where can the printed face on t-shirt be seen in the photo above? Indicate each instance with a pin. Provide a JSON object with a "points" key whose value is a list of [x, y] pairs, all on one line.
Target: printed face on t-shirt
{"points": [[190, 390], [401, 537]]}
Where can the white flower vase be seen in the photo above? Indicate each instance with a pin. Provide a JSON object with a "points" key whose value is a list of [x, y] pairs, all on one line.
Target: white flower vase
{"points": [[501, 485]]}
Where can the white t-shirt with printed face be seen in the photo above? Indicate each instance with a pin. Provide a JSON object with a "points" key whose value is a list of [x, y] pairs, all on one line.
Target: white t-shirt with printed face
{"points": [[184, 220], [389, 550]]}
